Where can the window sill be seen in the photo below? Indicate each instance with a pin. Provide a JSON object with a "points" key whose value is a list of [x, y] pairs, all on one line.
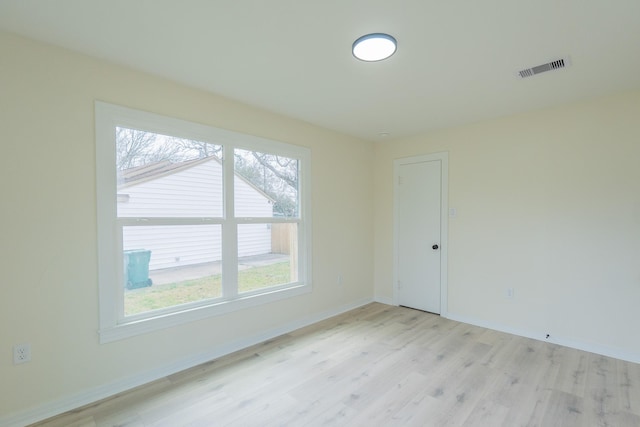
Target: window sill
{"points": [[131, 329]]}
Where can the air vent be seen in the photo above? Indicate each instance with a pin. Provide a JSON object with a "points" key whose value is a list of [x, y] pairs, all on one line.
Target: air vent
{"points": [[549, 66]]}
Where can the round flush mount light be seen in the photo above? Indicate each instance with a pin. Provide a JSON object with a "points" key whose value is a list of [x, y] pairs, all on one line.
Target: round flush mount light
{"points": [[374, 47]]}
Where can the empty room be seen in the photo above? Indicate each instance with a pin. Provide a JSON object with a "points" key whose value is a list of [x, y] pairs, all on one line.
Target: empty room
{"points": [[297, 213]]}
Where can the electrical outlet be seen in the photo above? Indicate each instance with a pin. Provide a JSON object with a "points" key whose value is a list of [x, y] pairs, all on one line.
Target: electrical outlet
{"points": [[509, 293], [339, 279], [21, 353]]}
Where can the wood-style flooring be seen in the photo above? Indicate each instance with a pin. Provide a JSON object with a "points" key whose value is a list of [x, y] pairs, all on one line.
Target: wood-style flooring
{"points": [[385, 366]]}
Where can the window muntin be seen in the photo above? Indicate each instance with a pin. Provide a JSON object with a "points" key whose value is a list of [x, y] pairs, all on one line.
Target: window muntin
{"points": [[140, 198]]}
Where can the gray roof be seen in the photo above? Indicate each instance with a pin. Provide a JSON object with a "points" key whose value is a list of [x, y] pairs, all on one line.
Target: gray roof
{"points": [[149, 172]]}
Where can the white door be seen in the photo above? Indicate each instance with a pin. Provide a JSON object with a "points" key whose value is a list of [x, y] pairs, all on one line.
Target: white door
{"points": [[418, 228]]}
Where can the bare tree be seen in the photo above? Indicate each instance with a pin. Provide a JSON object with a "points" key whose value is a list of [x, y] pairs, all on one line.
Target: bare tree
{"points": [[132, 147], [284, 168], [276, 176], [136, 148], [191, 149]]}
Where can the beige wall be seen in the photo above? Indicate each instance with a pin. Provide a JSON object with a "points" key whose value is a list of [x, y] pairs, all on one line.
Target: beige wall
{"points": [[548, 203], [49, 294]]}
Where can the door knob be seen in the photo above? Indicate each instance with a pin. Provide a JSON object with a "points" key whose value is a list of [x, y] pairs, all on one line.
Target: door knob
{"points": [[435, 247]]}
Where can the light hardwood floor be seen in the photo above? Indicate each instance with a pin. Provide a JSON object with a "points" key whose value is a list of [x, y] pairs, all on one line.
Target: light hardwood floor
{"points": [[384, 366]]}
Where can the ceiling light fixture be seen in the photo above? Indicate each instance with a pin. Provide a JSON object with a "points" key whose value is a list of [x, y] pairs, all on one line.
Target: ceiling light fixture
{"points": [[374, 47]]}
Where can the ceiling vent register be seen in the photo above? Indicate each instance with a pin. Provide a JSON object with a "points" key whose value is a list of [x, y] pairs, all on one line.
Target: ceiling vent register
{"points": [[549, 66]]}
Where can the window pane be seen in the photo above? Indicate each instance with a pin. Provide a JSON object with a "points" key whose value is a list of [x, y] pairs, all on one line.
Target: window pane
{"points": [[170, 265], [267, 255], [266, 185], [165, 176]]}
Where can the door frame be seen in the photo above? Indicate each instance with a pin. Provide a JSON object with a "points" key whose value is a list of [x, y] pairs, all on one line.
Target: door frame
{"points": [[443, 157]]}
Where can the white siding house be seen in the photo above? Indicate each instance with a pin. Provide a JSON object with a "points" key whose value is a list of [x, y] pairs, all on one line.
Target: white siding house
{"points": [[188, 189]]}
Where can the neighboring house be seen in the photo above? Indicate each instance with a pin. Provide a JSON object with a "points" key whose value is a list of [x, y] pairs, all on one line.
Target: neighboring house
{"points": [[188, 189]]}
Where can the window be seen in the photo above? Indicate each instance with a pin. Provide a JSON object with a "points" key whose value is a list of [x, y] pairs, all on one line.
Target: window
{"points": [[194, 221]]}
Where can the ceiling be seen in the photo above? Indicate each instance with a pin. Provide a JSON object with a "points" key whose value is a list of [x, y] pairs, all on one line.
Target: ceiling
{"points": [[456, 60]]}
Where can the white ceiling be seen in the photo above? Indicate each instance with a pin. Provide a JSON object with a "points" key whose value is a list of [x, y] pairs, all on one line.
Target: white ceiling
{"points": [[456, 60]]}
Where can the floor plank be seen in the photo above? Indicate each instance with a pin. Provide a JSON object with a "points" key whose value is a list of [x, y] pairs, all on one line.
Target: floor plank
{"points": [[383, 365]]}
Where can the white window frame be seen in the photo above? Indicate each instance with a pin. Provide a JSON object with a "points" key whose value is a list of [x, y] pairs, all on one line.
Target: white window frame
{"points": [[113, 324]]}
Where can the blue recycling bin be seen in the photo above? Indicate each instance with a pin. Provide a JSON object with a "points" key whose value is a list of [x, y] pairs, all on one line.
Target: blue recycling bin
{"points": [[136, 268]]}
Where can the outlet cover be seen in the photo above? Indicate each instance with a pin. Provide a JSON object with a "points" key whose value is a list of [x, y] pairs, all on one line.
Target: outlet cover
{"points": [[21, 353]]}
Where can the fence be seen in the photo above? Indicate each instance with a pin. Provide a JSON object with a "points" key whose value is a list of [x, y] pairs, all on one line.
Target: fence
{"points": [[284, 238]]}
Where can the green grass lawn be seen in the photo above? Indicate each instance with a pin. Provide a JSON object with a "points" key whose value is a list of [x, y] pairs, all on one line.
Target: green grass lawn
{"points": [[161, 296]]}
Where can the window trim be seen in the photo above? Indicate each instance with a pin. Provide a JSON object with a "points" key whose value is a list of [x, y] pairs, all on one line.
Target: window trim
{"points": [[112, 326]]}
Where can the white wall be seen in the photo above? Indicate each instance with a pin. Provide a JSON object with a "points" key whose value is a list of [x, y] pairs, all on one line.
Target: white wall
{"points": [[548, 203], [192, 192], [49, 290], [176, 246]]}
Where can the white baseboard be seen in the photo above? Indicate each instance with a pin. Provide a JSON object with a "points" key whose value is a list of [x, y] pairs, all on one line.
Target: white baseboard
{"points": [[540, 336], [95, 394], [384, 300]]}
